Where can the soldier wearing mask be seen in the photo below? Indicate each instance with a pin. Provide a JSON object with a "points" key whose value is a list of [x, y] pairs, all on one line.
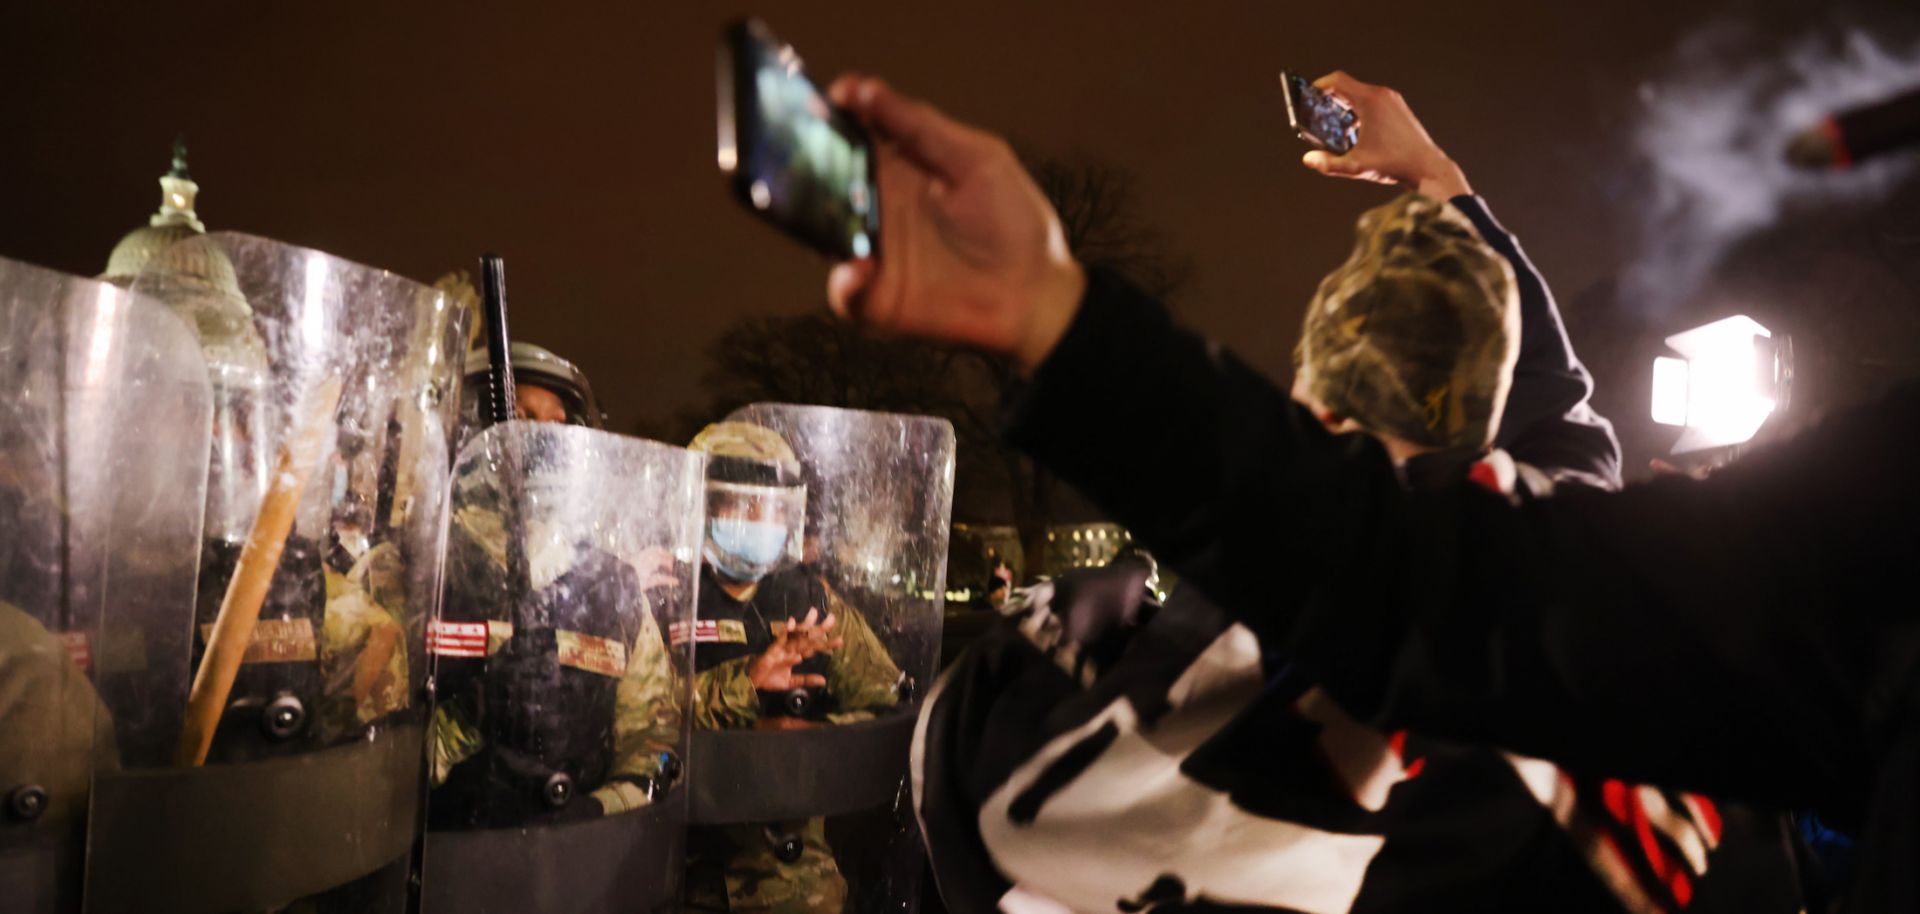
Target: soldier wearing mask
{"points": [[776, 648]]}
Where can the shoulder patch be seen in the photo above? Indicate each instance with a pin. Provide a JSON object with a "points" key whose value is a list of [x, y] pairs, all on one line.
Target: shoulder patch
{"points": [[591, 653], [709, 631]]}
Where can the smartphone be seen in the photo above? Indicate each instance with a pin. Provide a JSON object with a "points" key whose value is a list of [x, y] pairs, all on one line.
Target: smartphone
{"points": [[1317, 117], [790, 156]]}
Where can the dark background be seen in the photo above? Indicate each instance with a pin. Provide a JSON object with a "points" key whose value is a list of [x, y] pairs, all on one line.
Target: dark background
{"points": [[577, 140]]}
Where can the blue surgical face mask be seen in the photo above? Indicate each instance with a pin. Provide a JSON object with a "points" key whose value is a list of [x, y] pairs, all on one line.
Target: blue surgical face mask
{"points": [[745, 550]]}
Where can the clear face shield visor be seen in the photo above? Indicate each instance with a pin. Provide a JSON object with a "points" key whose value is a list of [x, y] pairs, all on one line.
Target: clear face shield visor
{"points": [[753, 530]]}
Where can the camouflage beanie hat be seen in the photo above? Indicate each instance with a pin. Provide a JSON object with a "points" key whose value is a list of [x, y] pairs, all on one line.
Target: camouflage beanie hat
{"points": [[1415, 335]]}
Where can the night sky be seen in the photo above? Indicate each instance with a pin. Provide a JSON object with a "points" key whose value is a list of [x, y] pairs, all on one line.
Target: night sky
{"points": [[578, 142]]}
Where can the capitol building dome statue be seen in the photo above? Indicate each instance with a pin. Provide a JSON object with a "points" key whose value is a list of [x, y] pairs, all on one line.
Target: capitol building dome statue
{"points": [[175, 221], [197, 279], [171, 260]]}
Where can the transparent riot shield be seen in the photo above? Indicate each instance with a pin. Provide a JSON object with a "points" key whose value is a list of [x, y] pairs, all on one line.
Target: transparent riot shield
{"points": [[799, 753], [275, 753], [560, 727], [103, 432]]}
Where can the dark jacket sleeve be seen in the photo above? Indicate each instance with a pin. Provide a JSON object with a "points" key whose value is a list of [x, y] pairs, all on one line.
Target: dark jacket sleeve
{"points": [[1731, 636], [1548, 421]]}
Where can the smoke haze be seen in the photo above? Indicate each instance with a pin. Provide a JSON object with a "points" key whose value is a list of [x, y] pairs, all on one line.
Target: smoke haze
{"points": [[1713, 134]]}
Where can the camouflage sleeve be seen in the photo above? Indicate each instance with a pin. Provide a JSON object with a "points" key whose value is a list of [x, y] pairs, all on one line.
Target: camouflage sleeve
{"points": [[382, 573], [452, 739], [363, 657], [646, 713], [861, 676], [724, 698], [454, 734]]}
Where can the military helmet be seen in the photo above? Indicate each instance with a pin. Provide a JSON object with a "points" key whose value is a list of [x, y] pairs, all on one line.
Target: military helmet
{"points": [[538, 366], [756, 499], [747, 454]]}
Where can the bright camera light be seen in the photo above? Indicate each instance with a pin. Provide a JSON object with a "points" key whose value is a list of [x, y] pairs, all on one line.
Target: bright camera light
{"points": [[1732, 375], [1670, 391]]}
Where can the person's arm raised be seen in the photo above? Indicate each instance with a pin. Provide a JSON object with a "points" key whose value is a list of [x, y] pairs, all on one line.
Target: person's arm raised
{"points": [[1663, 634], [1548, 421], [971, 252]]}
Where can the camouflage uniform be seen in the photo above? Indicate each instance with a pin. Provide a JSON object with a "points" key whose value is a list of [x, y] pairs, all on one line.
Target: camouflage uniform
{"points": [[363, 644], [1415, 333], [645, 715], [861, 679], [364, 677], [861, 676], [736, 868]]}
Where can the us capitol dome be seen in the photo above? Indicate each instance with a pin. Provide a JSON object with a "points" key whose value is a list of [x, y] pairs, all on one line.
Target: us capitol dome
{"points": [[196, 279]]}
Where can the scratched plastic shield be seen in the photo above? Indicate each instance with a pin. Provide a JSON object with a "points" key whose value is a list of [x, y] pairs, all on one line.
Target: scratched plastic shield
{"points": [[338, 380], [103, 433], [559, 737], [801, 798]]}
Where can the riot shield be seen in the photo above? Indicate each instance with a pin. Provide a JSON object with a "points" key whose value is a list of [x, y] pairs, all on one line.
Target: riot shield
{"points": [[103, 434], [277, 753], [560, 727], [799, 752]]}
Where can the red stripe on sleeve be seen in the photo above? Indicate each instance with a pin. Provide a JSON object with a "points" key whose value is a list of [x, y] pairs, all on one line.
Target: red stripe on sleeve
{"points": [[1709, 815]]}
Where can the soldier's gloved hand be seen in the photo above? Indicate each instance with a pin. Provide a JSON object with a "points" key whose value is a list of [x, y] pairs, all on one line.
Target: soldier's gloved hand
{"points": [[772, 671]]}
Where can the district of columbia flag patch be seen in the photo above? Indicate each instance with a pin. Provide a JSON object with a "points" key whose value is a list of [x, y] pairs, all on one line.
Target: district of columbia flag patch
{"points": [[457, 639], [709, 631]]}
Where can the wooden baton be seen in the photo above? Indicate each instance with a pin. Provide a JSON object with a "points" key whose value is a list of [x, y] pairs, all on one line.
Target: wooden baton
{"points": [[252, 575]]}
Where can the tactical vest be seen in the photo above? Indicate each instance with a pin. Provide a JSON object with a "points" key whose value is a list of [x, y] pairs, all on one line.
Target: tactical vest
{"points": [[539, 680]]}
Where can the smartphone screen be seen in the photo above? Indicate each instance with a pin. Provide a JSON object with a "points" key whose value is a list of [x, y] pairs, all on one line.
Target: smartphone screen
{"points": [[794, 159], [1317, 117]]}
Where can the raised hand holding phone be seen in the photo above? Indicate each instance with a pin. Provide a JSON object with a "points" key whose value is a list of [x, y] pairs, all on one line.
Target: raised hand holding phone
{"points": [[1392, 146], [972, 252]]}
